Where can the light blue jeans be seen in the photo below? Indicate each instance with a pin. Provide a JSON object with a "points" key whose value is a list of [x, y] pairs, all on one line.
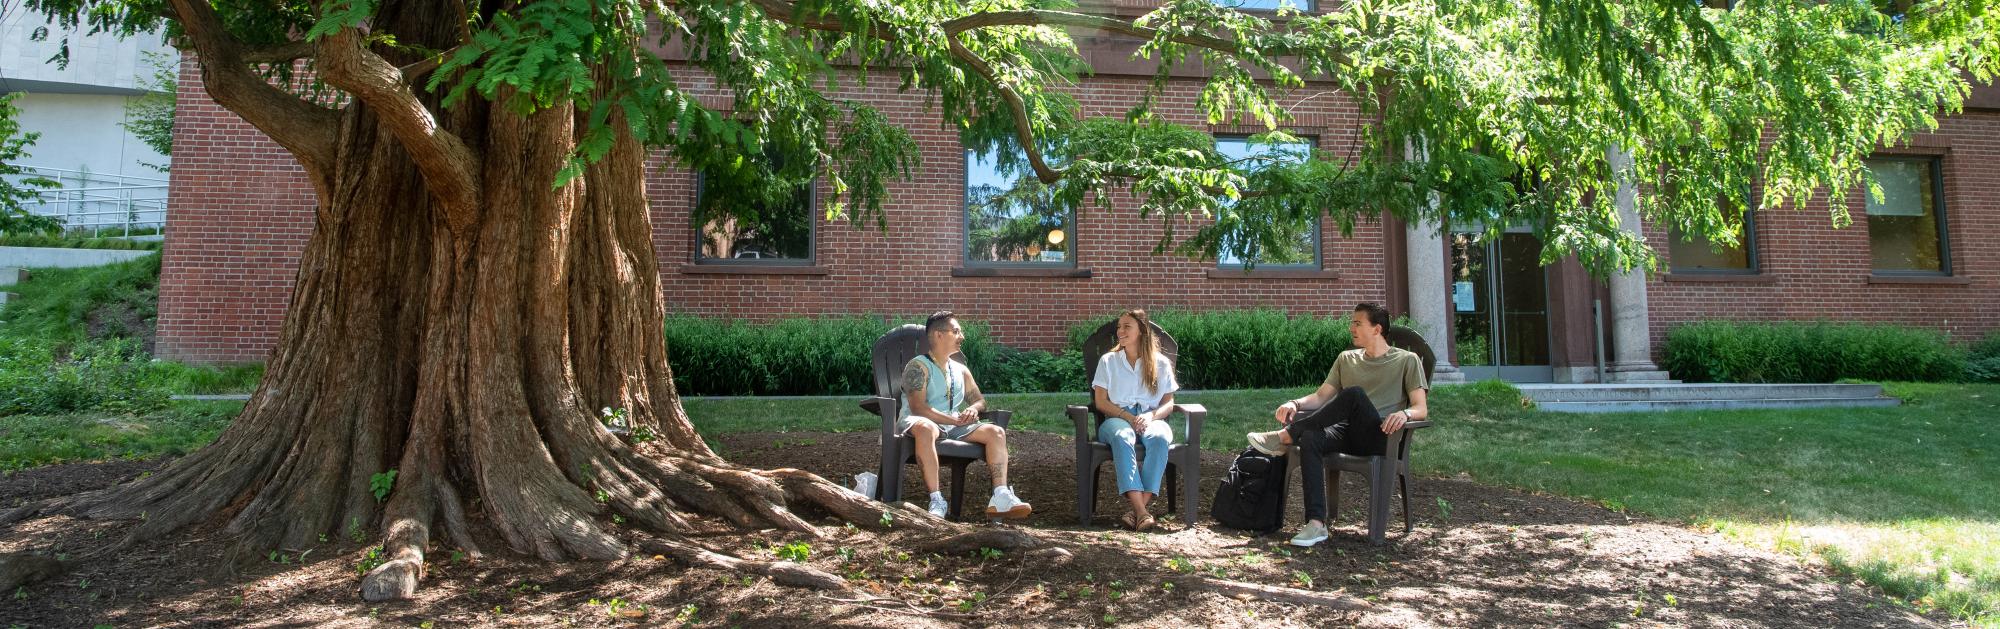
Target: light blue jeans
{"points": [[1135, 475]]}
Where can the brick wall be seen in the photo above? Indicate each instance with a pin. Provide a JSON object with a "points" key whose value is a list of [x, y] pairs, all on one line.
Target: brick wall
{"points": [[1812, 271]]}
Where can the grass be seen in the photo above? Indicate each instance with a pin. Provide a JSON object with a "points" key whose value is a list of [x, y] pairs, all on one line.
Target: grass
{"points": [[36, 440], [59, 305], [82, 240]]}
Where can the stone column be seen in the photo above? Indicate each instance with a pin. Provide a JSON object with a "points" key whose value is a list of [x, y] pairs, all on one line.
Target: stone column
{"points": [[1424, 253], [1423, 257], [1631, 358]]}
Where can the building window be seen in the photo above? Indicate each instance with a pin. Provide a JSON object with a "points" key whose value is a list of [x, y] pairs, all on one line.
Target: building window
{"points": [[1303, 250], [1703, 256], [759, 233], [1906, 228], [1011, 219], [1303, 6]]}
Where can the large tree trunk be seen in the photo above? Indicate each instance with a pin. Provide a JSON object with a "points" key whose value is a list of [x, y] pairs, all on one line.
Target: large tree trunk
{"points": [[468, 352]]}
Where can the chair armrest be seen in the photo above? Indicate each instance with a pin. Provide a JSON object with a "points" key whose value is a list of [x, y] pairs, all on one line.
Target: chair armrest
{"points": [[1079, 417], [1196, 414], [885, 408], [1399, 443], [997, 417]]}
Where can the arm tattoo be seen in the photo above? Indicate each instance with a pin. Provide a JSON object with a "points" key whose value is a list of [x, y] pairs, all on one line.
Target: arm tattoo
{"points": [[915, 376]]}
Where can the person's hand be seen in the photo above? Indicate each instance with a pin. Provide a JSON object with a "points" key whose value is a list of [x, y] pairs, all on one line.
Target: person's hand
{"points": [[967, 417], [1140, 421], [1286, 411], [1394, 422]]}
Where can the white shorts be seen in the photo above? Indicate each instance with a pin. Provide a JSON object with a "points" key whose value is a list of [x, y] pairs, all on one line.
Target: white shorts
{"points": [[944, 432]]}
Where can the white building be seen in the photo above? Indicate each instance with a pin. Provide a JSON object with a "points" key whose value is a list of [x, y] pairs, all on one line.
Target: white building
{"points": [[108, 174]]}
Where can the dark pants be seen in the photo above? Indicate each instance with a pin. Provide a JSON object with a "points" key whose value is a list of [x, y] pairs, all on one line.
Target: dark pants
{"points": [[1347, 425]]}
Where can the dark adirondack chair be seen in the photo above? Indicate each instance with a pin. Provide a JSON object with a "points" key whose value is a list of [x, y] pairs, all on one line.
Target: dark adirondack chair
{"points": [[1378, 471], [892, 352], [1183, 459]]}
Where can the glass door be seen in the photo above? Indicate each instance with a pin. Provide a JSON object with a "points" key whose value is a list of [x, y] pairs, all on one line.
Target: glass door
{"points": [[1500, 307]]}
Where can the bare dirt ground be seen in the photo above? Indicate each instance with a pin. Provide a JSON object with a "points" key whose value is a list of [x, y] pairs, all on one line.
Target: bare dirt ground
{"points": [[1480, 556]]}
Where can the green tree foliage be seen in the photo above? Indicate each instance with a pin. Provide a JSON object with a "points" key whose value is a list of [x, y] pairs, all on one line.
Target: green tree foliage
{"points": [[16, 186], [150, 116], [1687, 102]]}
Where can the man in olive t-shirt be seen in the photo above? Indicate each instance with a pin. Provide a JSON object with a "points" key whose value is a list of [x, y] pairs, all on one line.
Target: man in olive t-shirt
{"points": [[1368, 394]]}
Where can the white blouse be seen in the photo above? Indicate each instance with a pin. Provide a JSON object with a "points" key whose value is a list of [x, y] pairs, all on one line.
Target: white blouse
{"points": [[1121, 382]]}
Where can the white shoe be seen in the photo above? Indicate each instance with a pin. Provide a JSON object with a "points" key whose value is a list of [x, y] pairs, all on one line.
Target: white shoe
{"points": [[939, 507], [1005, 505], [1310, 534]]}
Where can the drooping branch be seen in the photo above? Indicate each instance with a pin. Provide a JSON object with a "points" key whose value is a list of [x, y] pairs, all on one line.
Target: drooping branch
{"points": [[1023, 131], [450, 167], [305, 129]]}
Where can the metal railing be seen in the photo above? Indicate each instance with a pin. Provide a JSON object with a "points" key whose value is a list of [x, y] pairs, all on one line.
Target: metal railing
{"points": [[100, 204]]}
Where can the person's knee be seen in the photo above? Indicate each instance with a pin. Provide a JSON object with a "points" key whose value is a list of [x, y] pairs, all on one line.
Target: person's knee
{"points": [[992, 431], [923, 429]]}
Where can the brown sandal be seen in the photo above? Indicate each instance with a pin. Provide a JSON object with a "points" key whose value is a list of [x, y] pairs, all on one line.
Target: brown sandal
{"points": [[1145, 524], [1129, 520]]}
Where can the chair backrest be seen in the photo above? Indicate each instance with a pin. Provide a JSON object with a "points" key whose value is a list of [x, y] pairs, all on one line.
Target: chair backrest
{"points": [[894, 351], [1105, 339], [1408, 339]]}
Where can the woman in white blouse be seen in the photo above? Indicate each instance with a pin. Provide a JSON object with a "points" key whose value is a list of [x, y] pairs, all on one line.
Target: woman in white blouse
{"points": [[1134, 388]]}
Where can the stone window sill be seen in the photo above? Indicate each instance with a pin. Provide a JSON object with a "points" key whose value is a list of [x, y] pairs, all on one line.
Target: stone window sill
{"points": [[1020, 271], [751, 269], [1919, 279], [1739, 278], [1271, 274]]}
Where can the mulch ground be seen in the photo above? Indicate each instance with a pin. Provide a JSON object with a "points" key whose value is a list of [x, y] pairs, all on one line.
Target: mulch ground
{"points": [[1480, 556]]}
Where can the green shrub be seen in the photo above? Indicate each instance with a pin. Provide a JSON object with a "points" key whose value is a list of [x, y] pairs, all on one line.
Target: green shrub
{"points": [[1735, 351], [1982, 362], [41, 378], [1245, 349], [1032, 371], [806, 356]]}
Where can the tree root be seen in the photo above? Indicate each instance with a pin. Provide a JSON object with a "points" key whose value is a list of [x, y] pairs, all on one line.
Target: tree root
{"points": [[780, 572]]}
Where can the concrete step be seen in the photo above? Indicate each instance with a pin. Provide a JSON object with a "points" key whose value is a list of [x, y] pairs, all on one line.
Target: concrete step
{"points": [[1547, 393], [11, 275], [1684, 405], [6, 297]]}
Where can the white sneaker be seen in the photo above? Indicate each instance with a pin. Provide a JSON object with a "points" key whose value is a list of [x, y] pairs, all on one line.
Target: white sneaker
{"points": [[939, 507], [1005, 505], [1310, 534]]}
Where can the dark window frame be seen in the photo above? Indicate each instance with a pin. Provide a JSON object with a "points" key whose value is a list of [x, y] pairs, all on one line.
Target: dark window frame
{"points": [[1936, 163], [1319, 219], [811, 192], [965, 229], [1753, 264]]}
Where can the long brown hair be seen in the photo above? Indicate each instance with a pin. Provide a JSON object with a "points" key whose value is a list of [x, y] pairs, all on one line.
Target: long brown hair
{"points": [[1149, 375]]}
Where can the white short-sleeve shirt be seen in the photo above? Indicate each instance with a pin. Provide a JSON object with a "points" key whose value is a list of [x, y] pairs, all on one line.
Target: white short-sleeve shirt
{"points": [[1121, 382]]}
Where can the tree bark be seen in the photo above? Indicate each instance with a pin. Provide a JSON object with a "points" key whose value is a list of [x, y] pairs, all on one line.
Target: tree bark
{"points": [[464, 339]]}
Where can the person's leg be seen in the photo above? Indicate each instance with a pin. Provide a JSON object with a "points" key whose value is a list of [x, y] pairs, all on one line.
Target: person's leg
{"points": [[1312, 446], [1118, 434], [1350, 404], [925, 433], [995, 440], [1157, 438]]}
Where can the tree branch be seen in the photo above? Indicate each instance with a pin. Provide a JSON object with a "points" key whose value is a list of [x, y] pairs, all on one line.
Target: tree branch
{"points": [[281, 53], [448, 165], [1024, 133], [305, 129]]}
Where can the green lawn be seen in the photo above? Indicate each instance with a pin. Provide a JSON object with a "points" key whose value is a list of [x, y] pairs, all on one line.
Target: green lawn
{"points": [[1903, 498]]}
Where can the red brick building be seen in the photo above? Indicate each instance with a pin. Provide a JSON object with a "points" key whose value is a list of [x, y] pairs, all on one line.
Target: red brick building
{"points": [[240, 212]]}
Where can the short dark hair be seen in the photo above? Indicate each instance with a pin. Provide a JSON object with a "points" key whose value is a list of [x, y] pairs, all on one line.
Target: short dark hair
{"points": [[936, 321], [1377, 315]]}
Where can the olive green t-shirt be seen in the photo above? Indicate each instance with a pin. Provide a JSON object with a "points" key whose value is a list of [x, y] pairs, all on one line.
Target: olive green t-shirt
{"points": [[1386, 379]]}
